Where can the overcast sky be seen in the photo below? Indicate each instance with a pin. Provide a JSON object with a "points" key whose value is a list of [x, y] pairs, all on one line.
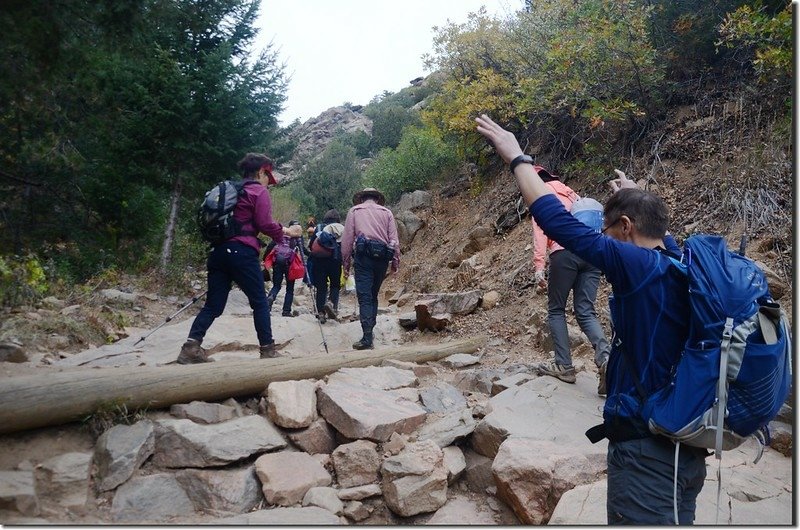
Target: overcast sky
{"points": [[339, 51]]}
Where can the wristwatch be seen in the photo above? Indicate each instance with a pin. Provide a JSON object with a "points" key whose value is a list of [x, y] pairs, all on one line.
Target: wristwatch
{"points": [[521, 159]]}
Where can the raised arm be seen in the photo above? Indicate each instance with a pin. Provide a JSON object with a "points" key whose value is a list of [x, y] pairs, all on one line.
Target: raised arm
{"points": [[530, 185]]}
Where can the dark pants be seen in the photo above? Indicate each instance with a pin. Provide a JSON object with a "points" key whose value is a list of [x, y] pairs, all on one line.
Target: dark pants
{"points": [[234, 262], [326, 270], [568, 273], [369, 274], [279, 272], [640, 482]]}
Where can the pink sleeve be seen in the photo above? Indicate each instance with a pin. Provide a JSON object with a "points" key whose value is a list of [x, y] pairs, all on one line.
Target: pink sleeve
{"points": [[394, 241], [348, 237], [539, 247]]}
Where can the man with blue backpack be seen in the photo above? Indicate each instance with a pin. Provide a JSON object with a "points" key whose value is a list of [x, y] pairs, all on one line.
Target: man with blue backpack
{"points": [[651, 478]]}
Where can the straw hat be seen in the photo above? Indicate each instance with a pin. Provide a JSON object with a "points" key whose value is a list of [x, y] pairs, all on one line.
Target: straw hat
{"points": [[369, 193]]}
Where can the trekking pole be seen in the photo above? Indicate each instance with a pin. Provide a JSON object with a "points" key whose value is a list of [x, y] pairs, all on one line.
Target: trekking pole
{"points": [[173, 315], [307, 276], [742, 244]]}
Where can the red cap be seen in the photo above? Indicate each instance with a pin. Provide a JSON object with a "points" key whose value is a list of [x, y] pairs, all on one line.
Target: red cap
{"points": [[270, 177]]}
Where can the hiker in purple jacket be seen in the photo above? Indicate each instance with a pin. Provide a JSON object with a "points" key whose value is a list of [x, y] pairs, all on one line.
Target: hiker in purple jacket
{"points": [[650, 315], [284, 254], [236, 260], [371, 245]]}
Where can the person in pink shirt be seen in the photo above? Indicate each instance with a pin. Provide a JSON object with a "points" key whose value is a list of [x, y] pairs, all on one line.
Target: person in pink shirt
{"points": [[568, 273], [236, 260], [370, 244]]}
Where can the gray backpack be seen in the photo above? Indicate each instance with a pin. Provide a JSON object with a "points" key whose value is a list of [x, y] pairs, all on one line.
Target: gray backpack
{"points": [[215, 215]]}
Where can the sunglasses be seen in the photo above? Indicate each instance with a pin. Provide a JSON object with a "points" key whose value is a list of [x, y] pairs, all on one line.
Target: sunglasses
{"points": [[603, 231]]}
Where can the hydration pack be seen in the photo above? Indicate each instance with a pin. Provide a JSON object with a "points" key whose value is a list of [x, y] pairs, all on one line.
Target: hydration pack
{"points": [[735, 370], [589, 212]]}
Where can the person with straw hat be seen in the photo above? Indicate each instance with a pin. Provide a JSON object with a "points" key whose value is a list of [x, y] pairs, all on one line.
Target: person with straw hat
{"points": [[370, 244]]}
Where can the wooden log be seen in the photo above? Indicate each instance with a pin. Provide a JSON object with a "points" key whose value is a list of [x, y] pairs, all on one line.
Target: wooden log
{"points": [[52, 398]]}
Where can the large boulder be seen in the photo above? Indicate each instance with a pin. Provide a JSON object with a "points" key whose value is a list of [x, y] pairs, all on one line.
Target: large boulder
{"points": [[408, 224], [153, 498], [360, 412], [445, 428], [292, 404], [461, 303], [286, 477], [537, 410], [120, 451], [222, 490], [442, 397], [414, 200], [317, 438], [64, 478], [415, 480], [531, 475], [183, 443], [356, 463], [582, 505]]}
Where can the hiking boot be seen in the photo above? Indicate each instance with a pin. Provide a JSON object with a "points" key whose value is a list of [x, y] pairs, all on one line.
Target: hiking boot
{"points": [[287, 314], [192, 353], [363, 344], [330, 312], [322, 318], [601, 375], [551, 368], [268, 351]]}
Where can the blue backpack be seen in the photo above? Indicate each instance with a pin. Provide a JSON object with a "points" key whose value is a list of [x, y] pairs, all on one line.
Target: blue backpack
{"points": [[735, 370]]}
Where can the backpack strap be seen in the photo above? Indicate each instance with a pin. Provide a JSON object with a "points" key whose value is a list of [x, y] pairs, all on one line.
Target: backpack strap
{"points": [[240, 186]]}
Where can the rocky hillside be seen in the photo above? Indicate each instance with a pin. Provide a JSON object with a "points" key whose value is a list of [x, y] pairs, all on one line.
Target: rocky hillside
{"points": [[314, 135], [700, 162]]}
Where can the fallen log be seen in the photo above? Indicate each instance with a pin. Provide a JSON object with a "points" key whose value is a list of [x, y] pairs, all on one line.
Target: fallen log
{"points": [[53, 398]]}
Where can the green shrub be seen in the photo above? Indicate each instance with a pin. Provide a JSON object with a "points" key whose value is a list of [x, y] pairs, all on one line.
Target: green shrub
{"points": [[768, 38], [330, 180], [421, 157], [22, 280]]}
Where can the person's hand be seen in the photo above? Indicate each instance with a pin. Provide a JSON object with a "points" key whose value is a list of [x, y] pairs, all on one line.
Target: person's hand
{"points": [[541, 281], [621, 182], [504, 141]]}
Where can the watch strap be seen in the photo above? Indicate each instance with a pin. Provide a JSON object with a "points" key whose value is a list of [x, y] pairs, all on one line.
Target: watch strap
{"points": [[521, 159]]}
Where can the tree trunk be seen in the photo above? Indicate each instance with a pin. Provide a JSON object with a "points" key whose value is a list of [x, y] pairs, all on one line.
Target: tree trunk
{"points": [[53, 398], [169, 233]]}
